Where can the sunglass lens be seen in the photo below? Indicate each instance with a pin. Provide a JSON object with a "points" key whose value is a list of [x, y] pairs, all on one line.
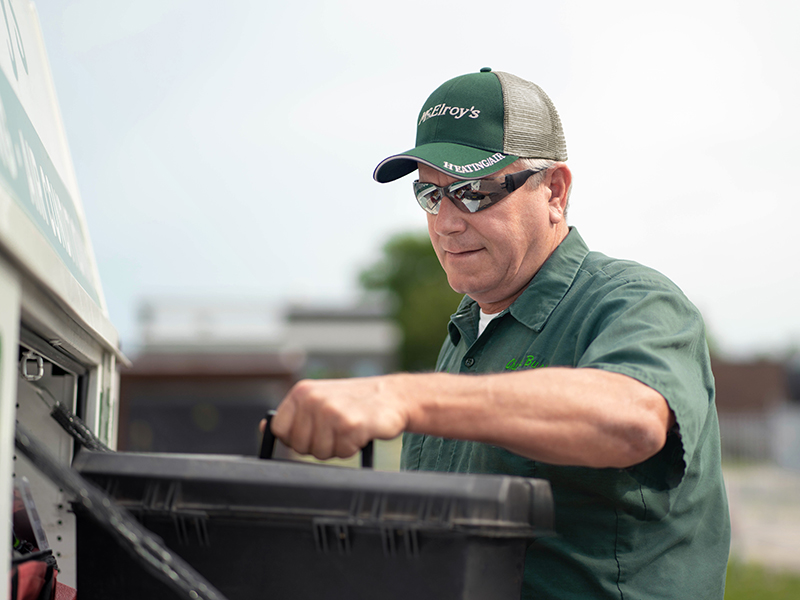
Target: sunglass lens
{"points": [[468, 194], [428, 196]]}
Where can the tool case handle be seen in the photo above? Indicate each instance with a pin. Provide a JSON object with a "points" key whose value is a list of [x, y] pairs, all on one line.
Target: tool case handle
{"points": [[268, 445]]}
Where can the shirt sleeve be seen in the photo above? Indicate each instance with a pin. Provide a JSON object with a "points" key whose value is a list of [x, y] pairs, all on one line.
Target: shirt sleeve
{"points": [[645, 328]]}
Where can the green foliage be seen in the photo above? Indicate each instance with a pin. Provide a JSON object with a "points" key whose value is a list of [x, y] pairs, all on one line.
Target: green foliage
{"points": [[422, 300], [752, 582]]}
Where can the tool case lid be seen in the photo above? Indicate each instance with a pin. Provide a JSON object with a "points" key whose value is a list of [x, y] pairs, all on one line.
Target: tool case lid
{"points": [[250, 488]]}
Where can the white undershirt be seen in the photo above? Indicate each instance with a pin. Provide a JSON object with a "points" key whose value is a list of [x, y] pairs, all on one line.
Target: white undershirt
{"points": [[485, 320]]}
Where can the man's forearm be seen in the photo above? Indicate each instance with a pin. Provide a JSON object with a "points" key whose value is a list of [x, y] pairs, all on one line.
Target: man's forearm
{"points": [[583, 417]]}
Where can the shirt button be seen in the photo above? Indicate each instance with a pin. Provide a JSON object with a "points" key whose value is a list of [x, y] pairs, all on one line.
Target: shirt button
{"points": [[469, 362]]}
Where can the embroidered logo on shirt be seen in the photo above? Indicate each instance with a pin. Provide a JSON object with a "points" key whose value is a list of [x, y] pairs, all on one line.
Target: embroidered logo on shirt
{"points": [[526, 362]]}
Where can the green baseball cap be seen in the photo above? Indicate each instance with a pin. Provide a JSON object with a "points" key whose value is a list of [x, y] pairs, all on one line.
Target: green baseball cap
{"points": [[479, 123]]}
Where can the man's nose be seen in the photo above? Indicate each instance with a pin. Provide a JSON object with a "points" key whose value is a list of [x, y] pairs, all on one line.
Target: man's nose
{"points": [[450, 219]]}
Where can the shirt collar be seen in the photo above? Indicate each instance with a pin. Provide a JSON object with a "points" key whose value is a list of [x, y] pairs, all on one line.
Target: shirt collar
{"points": [[535, 305], [464, 323], [551, 283]]}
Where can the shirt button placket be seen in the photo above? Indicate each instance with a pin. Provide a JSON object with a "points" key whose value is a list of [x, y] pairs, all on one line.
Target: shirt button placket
{"points": [[468, 362]]}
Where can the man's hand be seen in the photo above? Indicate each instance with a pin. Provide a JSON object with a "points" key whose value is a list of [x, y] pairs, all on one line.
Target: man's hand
{"points": [[338, 417]]}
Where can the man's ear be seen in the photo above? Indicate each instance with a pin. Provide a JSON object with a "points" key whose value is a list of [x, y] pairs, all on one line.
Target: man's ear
{"points": [[559, 182]]}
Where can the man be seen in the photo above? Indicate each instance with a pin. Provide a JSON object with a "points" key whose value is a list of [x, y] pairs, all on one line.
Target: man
{"points": [[559, 363]]}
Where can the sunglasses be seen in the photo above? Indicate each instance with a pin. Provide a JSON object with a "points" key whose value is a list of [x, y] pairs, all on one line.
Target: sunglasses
{"points": [[470, 195]]}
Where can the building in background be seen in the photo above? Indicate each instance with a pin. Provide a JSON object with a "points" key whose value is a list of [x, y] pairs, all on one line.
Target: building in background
{"points": [[355, 341], [759, 411], [205, 374]]}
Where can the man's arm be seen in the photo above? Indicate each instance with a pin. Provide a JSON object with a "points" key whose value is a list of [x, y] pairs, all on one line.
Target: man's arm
{"points": [[580, 417]]}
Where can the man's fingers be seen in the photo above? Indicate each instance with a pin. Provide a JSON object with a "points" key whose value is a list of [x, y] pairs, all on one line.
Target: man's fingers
{"points": [[301, 436], [345, 448], [281, 422], [323, 444]]}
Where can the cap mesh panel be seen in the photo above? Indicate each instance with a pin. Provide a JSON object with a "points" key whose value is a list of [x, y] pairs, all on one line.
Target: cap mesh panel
{"points": [[532, 126]]}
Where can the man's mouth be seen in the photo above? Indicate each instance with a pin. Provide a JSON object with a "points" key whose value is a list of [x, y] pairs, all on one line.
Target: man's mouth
{"points": [[457, 254], [463, 252]]}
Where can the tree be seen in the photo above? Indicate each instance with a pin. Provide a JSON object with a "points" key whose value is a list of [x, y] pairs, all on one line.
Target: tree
{"points": [[422, 300]]}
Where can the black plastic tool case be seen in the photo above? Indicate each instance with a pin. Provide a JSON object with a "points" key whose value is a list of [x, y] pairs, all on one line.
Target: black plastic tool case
{"points": [[285, 530]]}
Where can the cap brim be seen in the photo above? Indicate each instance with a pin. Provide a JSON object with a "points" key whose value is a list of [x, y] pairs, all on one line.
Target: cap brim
{"points": [[455, 160]]}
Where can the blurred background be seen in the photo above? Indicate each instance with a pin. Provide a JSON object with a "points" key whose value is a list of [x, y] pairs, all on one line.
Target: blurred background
{"points": [[224, 153]]}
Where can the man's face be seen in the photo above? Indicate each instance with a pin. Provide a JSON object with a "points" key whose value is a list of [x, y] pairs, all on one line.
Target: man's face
{"points": [[491, 255]]}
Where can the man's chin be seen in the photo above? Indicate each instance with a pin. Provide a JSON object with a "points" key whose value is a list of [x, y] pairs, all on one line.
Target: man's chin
{"points": [[490, 298], [470, 288]]}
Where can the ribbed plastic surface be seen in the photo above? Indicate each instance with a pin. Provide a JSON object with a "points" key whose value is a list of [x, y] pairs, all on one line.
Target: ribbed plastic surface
{"points": [[271, 529]]}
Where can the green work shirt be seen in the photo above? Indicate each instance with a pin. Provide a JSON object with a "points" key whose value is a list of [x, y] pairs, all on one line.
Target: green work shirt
{"points": [[659, 529]]}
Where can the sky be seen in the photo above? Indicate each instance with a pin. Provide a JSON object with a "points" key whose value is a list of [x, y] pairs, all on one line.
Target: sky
{"points": [[224, 151]]}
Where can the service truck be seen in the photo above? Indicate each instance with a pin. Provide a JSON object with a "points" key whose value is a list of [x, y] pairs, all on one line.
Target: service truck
{"points": [[58, 350]]}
